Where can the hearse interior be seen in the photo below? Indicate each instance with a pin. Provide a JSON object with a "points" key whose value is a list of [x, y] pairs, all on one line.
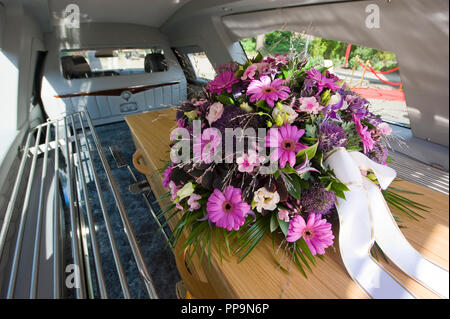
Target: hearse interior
{"points": [[77, 204]]}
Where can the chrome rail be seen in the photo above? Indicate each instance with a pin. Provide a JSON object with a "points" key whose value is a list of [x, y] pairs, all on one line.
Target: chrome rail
{"points": [[65, 200]]}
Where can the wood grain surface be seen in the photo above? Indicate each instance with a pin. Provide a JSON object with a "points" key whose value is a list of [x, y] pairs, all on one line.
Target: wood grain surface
{"points": [[258, 276], [118, 91]]}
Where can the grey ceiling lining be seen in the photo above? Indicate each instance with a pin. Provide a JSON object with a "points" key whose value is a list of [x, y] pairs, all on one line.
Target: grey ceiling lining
{"points": [[416, 30]]}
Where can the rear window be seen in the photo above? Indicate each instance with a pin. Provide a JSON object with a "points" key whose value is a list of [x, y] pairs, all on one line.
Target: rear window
{"points": [[86, 63]]}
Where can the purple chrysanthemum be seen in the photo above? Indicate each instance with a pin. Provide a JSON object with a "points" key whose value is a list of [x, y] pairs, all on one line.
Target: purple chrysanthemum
{"points": [[223, 81], [322, 81], [356, 104], [331, 136], [316, 199], [227, 210]]}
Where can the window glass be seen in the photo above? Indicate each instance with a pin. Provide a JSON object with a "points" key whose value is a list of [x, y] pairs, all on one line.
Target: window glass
{"points": [[202, 66], [111, 62], [372, 73]]}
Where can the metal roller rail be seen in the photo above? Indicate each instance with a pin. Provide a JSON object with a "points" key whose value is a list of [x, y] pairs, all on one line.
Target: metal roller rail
{"points": [[63, 198]]}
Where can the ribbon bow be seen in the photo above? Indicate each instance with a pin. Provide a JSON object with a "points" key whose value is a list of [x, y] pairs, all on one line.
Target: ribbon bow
{"points": [[365, 218]]}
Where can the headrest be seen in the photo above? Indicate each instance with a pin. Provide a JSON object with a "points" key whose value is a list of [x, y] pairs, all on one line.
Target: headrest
{"points": [[75, 66], [155, 62]]}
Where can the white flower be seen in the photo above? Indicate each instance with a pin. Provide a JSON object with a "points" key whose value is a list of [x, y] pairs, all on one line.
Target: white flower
{"points": [[335, 99], [283, 113], [185, 191], [263, 199], [215, 112]]}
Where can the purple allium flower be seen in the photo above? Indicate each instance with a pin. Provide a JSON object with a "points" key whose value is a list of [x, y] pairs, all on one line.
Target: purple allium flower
{"points": [[285, 140], [316, 199], [232, 117], [322, 81], [379, 153], [223, 81], [316, 232], [364, 133], [227, 210], [268, 90], [331, 136]]}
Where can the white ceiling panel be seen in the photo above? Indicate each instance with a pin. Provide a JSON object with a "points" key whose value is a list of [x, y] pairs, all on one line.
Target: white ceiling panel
{"points": [[151, 13]]}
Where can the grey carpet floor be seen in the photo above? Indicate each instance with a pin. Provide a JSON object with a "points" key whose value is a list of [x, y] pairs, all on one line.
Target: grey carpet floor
{"points": [[157, 254]]}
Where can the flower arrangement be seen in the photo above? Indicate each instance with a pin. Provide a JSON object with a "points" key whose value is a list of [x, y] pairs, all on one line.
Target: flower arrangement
{"points": [[274, 182]]}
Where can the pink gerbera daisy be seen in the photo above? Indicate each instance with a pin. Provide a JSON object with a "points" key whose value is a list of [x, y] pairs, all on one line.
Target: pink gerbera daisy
{"points": [[285, 141], [265, 89], [365, 135], [223, 81], [227, 210], [316, 232]]}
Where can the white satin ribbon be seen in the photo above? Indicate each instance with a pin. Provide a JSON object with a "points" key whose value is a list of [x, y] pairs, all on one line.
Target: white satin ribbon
{"points": [[364, 218]]}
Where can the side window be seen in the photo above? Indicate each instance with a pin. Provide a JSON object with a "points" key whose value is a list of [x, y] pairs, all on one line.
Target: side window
{"points": [[202, 66], [195, 63], [88, 63], [372, 73]]}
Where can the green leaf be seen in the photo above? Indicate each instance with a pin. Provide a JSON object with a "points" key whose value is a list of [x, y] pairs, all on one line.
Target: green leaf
{"points": [[311, 131], [288, 169], [262, 104], [293, 185], [253, 235], [276, 174], [273, 222], [225, 99], [305, 249], [299, 265], [284, 226], [300, 254], [326, 96], [310, 151], [160, 198]]}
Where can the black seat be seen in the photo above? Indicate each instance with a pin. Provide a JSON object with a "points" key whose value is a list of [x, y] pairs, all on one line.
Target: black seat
{"points": [[155, 62], [75, 67]]}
